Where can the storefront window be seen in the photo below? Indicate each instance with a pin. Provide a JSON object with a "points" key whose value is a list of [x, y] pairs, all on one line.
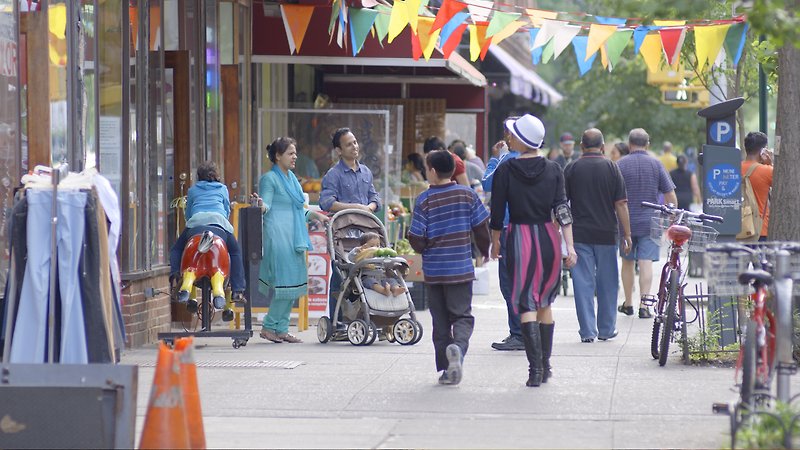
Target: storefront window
{"points": [[110, 18], [156, 164], [57, 41], [9, 122], [88, 92]]}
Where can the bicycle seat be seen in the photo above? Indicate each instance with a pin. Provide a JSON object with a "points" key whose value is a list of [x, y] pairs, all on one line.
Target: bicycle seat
{"points": [[760, 276]]}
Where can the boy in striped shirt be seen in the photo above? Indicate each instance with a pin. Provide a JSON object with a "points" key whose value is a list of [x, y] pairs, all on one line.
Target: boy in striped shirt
{"points": [[444, 216]]}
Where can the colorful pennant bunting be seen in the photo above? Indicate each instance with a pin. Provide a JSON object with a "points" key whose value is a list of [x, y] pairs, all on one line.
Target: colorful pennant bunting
{"points": [[295, 21], [548, 51], [610, 20], [651, 52], [639, 34], [509, 30], [412, 12], [480, 10], [616, 44], [598, 35], [500, 20], [398, 20], [361, 21], [579, 43], [672, 41], [562, 38], [478, 42], [545, 33], [734, 41], [447, 11], [536, 53], [451, 42], [708, 43], [427, 39], [382, 22], [453, 25], [538, 16]]}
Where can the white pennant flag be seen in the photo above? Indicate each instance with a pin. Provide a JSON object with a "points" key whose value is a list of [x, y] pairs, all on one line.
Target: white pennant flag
{"points": [[549, 27], [563, 37], [480, 9]]}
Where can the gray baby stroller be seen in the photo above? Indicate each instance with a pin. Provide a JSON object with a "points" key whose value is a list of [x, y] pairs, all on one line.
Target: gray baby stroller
{"points": [[366, 314]]}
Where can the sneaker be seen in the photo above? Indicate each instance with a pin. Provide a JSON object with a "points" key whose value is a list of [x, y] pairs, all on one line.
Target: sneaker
{"points": [[587, 340], [238, 297], [644, 312], [286, 337], [219, 302], [454, 357], [443, 379], [510, 343], [613, 335], [627, 310], [270, 336]]}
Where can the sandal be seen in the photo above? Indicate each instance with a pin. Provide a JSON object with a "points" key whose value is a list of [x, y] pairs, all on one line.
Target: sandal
{"points": [[644, 312], [627, 310], [270, 336], [286, 337]]}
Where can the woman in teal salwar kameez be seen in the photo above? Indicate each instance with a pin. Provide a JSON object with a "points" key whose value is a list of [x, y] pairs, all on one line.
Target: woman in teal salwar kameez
{"points": [[283, 273]]}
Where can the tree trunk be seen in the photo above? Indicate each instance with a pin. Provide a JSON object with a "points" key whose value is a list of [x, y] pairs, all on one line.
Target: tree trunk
{"points": [[784, 220]]}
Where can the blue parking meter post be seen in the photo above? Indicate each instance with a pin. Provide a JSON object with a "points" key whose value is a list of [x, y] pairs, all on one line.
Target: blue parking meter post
{"points": [[722, 196]]}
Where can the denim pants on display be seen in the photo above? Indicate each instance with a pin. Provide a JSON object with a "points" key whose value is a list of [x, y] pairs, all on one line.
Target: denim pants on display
{"points": [[506, 283], [99, 346], [30, 333], [596, 271]]}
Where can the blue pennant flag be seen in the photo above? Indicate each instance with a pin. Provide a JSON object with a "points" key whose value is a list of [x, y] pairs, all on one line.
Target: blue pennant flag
{"points": [[451, 26], [639, 34], [579, 43], [610, 20], [536, 54]]}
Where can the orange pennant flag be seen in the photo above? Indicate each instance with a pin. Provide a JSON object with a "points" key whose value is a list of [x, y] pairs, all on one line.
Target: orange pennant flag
{"points": [[296, 19], [478, 42]]}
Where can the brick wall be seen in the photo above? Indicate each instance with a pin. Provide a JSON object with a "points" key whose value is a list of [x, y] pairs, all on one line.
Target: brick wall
{"points": [[146, 317]]}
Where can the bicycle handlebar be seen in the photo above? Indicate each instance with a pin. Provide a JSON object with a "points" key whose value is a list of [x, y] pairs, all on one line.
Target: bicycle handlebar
{"points": [[673, 211]]}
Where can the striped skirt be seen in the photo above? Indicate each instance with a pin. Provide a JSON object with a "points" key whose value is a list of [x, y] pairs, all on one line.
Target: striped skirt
{"points": [[533, 255]]}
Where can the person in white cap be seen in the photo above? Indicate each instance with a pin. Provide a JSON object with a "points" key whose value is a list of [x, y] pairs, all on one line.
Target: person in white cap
{"points": [[533, 247]]}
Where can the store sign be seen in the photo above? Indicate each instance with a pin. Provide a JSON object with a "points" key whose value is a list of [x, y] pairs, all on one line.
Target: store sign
{"points": [[8, 58]]}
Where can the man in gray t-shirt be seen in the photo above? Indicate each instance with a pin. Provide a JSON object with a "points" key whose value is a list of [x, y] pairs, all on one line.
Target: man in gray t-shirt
{"points": [[645, 177]]}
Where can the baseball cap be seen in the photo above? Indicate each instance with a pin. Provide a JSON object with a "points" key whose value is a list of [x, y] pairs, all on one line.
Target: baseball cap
{"points": [[567, 138]]}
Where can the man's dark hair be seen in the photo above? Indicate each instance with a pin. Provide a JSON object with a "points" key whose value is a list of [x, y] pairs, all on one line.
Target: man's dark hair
{"points": [[337, 136], [208, 171], [457, 142], [433, 143], [368, 236], [460, 151], [754, 142], [622, 148], [442, 162], [592, 138]]}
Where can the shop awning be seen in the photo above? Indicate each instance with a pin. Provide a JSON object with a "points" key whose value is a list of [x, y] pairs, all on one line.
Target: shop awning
{"points": [[525, 82]]}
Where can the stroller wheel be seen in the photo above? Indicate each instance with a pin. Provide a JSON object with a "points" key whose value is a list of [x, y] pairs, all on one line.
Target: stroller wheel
{"points": [[418, 328], [358, 332], [373, 334], [324, 329], [405, 332]]}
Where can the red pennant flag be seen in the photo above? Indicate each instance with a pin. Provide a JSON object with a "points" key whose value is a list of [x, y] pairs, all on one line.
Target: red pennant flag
{"points": [[453, 40], [449, 9], [672, 41], [416, 46]]}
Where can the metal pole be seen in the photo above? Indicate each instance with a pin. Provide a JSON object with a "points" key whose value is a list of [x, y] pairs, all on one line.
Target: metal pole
{"points": [[783, 350], [762, 95]]}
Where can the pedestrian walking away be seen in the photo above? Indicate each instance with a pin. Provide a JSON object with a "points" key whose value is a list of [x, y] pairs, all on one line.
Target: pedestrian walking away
{"points": [[645, 177], [533, 249], [347, 185], [443, 218], [687, 191], [514, 339], [596, 192], [283, 274]]}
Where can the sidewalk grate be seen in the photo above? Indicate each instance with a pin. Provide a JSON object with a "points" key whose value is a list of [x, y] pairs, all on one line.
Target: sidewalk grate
{"points": [[246, 364]]}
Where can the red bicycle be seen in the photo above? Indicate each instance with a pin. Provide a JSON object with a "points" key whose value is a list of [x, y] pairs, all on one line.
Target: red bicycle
{"points": [[683, 229]]}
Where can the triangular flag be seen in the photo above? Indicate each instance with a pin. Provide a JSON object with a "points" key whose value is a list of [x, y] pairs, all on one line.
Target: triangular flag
{"points": [[480, 10], [616, 44], [672, 41], [446, 12], [537, 16], [361, 21], [598, 35], [427, 39], [708, 42], [639, 34], [334, 16], [412, 10], [604, 58], [669, 23], [499, 21], [610, 20], [416, 47], [579, 43], [546, 32], [536, 53], [547, 52], [382, 22], [295, 21], [454, 38], [478, 42], [509, 30], [563, 36], [342, 23], [398, 20], [734, 41], [452, 26], [651, 52]]}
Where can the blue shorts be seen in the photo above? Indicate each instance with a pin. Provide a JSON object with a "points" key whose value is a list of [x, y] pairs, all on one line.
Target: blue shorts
{"points": [[643, 247]]}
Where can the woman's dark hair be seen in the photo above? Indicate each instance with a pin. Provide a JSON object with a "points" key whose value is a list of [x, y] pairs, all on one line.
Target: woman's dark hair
{"points": [[208, 171], [279, 147], [442, 162], [368, 236], [419, 164], [682, 162], [460, 151], [622, 148], [337, 136], [433, 143]]}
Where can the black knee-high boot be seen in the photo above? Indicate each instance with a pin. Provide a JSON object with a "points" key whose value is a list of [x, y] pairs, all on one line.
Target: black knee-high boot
{"points": [[533, 349], [546, 331]]}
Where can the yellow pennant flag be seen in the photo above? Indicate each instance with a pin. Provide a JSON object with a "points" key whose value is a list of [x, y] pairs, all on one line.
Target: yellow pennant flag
{"points": [[708, 42], [669, 23], [477, 39], [651, 52], [412, 12], [604, 56], [398, 20], [427, 40], [598, 35], [509, 30], [537, 16]]}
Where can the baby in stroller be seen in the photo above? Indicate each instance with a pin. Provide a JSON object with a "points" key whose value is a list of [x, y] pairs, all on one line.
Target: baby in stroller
{"points": [[373, 278]]}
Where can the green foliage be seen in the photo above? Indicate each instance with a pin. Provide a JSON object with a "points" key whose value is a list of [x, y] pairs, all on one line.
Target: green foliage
{"points": [[777, 20], [767, 430], [704, 346]]}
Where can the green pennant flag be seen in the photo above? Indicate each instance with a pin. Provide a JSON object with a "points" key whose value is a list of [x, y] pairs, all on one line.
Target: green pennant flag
{"points": [[499, 21], [361, 21], [616, 44], [334, 16], [734, 41], [382, 21], [549, 50]]}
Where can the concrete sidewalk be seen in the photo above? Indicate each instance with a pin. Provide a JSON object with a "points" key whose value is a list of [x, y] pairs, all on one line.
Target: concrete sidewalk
{"points": [[603, 395]]}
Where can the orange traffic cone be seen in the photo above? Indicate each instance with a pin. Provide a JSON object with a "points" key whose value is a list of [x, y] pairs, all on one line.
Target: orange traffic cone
{"points": [[184, 350], [165, 422]]}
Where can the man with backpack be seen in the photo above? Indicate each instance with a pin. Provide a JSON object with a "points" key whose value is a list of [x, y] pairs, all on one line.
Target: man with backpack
{"points": [[756, 186]]}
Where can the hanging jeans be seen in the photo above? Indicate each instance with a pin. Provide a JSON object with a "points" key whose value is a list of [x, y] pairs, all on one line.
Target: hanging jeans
{"points": [[30, 332]]}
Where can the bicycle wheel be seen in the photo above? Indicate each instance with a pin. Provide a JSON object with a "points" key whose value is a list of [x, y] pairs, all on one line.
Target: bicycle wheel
{"points": [[654, 339], [748, 359], [669, 317]]}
